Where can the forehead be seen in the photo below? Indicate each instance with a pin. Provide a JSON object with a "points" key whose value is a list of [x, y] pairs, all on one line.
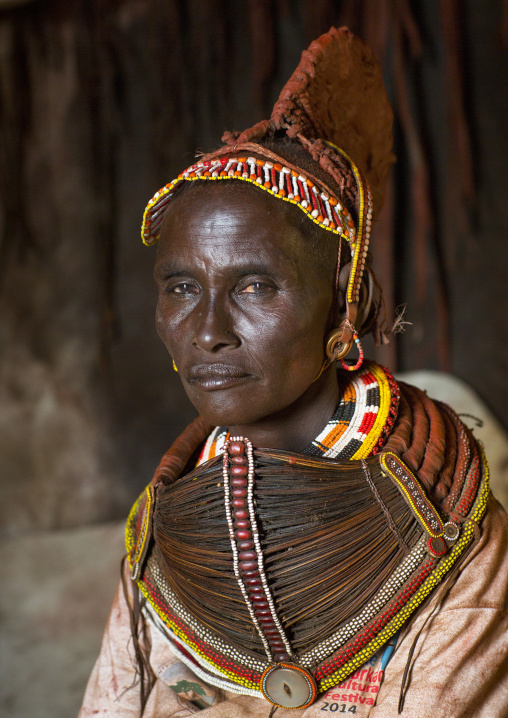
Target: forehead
{"points": [[234, 220]]}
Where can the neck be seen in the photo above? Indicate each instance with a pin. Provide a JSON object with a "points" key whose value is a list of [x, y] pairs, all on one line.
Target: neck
{"points": [[295, 427]]}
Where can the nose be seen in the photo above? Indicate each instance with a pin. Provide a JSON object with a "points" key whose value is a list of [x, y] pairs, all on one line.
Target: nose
{"points": [[214, 328]]}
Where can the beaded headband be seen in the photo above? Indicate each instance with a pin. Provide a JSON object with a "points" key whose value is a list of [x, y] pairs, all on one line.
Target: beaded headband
{"points": [[284, 181]]}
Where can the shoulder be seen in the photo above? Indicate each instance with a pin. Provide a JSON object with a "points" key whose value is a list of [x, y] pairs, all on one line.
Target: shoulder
{"points": [[483, 579], [456, 648]]}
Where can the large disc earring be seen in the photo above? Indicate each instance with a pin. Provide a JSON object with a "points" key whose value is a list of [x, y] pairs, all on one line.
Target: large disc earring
{"points": [[335, 348]]}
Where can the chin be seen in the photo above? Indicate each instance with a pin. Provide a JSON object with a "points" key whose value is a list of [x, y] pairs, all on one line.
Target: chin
{"points": [[228, 408], [236, 416]]}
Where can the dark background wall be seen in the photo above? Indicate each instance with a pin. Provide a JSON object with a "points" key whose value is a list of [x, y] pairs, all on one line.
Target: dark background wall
{"points": [[103, 102]]}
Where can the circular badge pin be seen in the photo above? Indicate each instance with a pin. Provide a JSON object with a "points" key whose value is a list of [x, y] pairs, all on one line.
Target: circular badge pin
{"points": [[288, 686]]}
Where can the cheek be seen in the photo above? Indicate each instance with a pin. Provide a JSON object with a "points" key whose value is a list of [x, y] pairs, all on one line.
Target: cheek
{"points": [[160, 324], [287, 342], [165, 325], [158, 318]]}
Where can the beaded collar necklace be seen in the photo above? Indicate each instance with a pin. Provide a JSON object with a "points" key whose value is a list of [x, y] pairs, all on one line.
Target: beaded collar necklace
{"points": [[359, 426], [242, 551]]}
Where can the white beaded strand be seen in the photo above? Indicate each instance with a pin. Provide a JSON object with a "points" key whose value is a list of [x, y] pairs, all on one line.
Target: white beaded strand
{"points": [[394, 583], [229, 519], [259, 550]]}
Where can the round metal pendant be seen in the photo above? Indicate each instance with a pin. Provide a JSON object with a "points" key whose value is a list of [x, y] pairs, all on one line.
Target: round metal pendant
{"points": [[451, 531], [288, 686], [437, 546]]}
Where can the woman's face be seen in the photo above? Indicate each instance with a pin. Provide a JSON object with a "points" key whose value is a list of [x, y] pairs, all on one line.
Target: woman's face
{"points": [[243, 307]]}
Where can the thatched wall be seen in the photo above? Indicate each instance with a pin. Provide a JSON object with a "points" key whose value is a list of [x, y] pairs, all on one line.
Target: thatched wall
{"points": [[103, 102]]}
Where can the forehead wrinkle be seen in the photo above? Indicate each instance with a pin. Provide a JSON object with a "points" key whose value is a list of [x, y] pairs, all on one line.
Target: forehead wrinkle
{"points": [[247, 240], [224, 225], [237, 264], [245, 217], [235, 202]]}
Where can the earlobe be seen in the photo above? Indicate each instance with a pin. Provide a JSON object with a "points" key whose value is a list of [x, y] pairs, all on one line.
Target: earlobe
{"points": [[347, 317], [335, 347], [339, 345]]}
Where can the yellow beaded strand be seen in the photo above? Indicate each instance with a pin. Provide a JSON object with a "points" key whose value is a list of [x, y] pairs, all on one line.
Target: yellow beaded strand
{"points": [[429, 584]]}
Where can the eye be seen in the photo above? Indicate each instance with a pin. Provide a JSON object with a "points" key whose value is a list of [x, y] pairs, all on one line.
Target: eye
{"points": [[258, 288], [183, 288]]}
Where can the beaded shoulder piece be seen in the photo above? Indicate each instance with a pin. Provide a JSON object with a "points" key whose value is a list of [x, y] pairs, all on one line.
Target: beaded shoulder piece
{"points": [[363, 531]]}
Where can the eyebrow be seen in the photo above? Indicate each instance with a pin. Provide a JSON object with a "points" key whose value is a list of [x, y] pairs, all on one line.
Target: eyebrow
{"points": [[239, 271], [167, 269], [246, 269]]}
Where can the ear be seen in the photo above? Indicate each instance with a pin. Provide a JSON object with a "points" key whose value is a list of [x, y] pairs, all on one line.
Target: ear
{"points": [[367, 289], [340, 305]]}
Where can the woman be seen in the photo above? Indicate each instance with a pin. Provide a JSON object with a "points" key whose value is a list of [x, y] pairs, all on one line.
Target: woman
{"points": [[317, 518]]}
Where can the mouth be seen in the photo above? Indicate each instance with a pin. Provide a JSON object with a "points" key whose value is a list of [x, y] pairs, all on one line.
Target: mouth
{"points": [[211, 377]]}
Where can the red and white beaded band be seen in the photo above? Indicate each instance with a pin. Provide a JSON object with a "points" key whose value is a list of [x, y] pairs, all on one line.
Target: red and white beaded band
{"points": [[238, 474], [286, 183]]}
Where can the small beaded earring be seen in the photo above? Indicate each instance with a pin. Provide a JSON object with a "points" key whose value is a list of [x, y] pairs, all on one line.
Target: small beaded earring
{"points": [[354, 367], [175, 367]]}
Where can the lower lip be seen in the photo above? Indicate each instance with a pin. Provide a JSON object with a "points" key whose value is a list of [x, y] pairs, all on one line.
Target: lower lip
{"points": [[219, 382]]}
